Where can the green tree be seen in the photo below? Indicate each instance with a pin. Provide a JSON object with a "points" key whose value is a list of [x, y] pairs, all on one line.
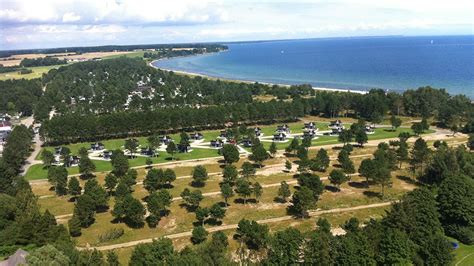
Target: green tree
{"points": [[112, 258], [84, 210], [131, 145], [119, 163], [192, 198], [230, 153], [361, 137], [201, 215], [302, 201], [248, 170], [97, 193], [285, 247], [273, 149], [257, 190], [199, 235], [288, 165], [259, 155], [226, 192], [395, 248], [395, 122], [153, 180], [345, 136], [306, 142], [402, 153], [73, 187], [171, 149], [199, 175], [86, 166], [130, 210], [47, 255], [110, 182], [419, 154], [293, 146], [337, 178], [367, 170], [302, 153], [254, 235], [243, 189], [217, 212], [74, 225], [230, 174], [417, 128], [321, 162], [157, 202], [160, 250], [169, 176], [154, 142], [312, 182], [57, 176], [48, 158], [284, 191]]}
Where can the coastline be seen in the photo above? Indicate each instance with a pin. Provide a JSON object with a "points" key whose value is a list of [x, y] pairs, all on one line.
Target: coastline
{"points": [[192, 74]]}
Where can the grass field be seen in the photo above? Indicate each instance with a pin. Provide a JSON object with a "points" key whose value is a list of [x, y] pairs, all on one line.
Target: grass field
{"points": [[464, 255], [37, 172], [129, 55], [37, 73]]}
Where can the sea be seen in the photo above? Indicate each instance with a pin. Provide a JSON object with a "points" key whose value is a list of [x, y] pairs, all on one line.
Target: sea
{"points": [[394, 63]]}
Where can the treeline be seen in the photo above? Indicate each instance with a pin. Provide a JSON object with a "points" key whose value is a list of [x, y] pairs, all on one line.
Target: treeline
{"points": [[75, 127], [19, 95], [111, 48], [42, 61], [166, 53]]}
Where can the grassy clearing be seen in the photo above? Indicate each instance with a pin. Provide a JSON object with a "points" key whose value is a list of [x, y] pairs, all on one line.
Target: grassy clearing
{"points": [[464, 255], [129, 55], [37, 73]]}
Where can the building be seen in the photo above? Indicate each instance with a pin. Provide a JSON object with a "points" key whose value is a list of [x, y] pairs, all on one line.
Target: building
{"points": [[165, 139], [98, 146], [369, 129], [258, 132], [148, 152], [217, 143], [5, 130], [279, 137], [310, 125], [107, 155], [247, 142], [337, 131], [196, 136], [283, 129], [337, 124], [73, 160], [311, 133], [57, 150]]}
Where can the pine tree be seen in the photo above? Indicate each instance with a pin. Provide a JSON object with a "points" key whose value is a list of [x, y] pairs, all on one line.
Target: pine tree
{"points": [[74, 187], [284, 191], [273, 149], [226, 192], [74, 225]]}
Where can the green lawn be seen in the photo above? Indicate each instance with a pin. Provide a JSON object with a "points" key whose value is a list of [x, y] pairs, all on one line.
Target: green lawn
{"points": [[37, 73], [130, 55], [37, 171], [464, 255]]}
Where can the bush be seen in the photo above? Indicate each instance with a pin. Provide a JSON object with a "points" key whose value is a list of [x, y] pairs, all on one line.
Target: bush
{"points": [[464, 234], [111, 234], [152, 221]]}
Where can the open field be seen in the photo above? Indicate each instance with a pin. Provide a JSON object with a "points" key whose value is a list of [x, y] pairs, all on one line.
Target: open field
{"points": [[37, 73], [37, 172], [464, 255]]}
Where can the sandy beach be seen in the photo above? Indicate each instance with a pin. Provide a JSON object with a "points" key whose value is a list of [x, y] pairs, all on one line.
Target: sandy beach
{"points": [[248, 81]]}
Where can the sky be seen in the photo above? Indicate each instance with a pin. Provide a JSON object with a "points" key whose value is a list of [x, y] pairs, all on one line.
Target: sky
{"points": [[63, 23]]}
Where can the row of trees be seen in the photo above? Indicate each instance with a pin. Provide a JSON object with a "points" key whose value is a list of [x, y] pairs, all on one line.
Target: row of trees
{"points": [[42, 61]]}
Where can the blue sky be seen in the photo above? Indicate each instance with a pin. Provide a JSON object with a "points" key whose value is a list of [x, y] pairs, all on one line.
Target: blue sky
{"points": [[59, 23]]}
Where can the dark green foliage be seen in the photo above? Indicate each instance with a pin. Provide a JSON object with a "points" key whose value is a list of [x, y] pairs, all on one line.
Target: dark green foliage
{"points": [[284, 191], [230, 174], [302, 200], [74, 187], [217, 212], [259, 154], [226, 192], [321, 162], [157, 202], [257, 190], [192, 198], [395, 248], [42, 61], [159, 251], [313, 182], [22, 93], [254, 235], [97, 193], [201, 215], [171, 149], [243, 189], [345, 136], [230, 153], [86, 166], [273, 148], [199, 175], [419, 154], [48, 158], [293, 146], [346, 163], [74, 225], [57, 176], [119, 163], [112, 258], [130, 211], [110, 182], [248, 170], [47, 255], [84, 210], [337, 177], [284, 247], [199, 235]]}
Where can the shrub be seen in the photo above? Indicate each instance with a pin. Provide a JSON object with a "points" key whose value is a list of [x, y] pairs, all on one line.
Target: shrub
{"points": [[111, 234]]}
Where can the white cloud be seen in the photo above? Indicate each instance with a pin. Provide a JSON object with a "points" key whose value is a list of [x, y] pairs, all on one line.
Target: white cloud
{"points": [[71, 17]]}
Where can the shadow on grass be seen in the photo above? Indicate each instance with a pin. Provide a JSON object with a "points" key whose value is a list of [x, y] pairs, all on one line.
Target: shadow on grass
{"points": [[241, 201], [361, 184], [408, 179], [372, 194], [332, 188]]}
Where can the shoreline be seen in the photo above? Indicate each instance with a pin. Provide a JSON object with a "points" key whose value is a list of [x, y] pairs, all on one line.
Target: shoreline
{"points": [[193, 74]]}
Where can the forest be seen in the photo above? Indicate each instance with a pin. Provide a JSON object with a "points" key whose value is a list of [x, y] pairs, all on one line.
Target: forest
{"points": [[42, 61]]}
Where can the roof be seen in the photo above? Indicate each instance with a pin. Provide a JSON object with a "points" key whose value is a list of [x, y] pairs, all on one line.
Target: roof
{"points": [[5, 124], [19, 258]]}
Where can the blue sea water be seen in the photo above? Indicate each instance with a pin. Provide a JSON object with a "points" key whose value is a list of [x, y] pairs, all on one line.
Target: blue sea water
{"points": [[392, 63]]}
